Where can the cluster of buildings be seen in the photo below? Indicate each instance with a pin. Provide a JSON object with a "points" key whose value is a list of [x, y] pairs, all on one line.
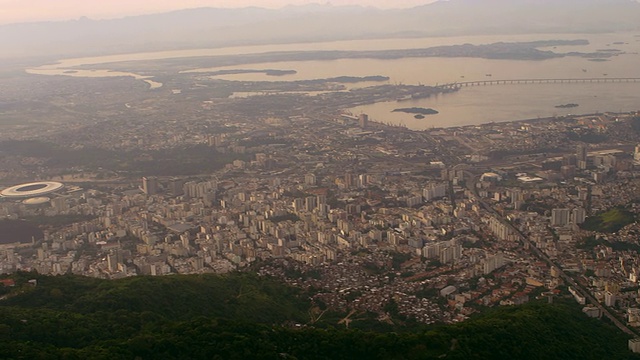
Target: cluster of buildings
{"points": [[432, 225]]}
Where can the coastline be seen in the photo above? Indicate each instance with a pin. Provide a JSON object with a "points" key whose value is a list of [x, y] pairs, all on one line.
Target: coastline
{"points": [[538, 120]]}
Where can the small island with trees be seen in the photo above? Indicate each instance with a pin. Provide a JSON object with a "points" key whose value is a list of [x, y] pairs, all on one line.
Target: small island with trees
{"points": [[268, 72], [418, 111], [567, 106]]}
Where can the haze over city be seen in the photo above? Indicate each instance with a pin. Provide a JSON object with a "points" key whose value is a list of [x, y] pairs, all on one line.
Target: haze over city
{"points": [[15, 11], [452, 179]]}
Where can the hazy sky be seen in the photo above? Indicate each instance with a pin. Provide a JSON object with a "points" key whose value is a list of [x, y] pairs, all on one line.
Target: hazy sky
{"points": [[12, 11]]}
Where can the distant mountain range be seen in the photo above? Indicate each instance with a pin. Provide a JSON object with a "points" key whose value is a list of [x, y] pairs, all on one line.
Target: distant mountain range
{"points": [[214, 27]]}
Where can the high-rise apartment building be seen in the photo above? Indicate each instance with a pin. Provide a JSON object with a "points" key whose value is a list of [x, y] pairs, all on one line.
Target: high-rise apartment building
{"points": [[363, 120], [150, 185], [560, 217], [581, 156]]}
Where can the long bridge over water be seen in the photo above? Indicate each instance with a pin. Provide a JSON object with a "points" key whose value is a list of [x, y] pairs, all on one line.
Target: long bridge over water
{"points": [[458, 85]]}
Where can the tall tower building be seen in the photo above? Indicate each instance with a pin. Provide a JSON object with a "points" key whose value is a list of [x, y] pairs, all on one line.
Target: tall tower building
{"points": [[363, 120], [560, 217], [310, 203], [350, 180], [493, 262], [176, 186], [216, 140], [150, 185], [581, 156], [581, 152], [433, 191], [310, 179], [60, 204], [363, 180], [578, 215], [298, 204]]}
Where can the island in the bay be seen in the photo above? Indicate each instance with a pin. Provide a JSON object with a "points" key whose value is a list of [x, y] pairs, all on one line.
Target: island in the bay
{"points": [[418, 111], [566, 106], [268, 72], [356, 79]]}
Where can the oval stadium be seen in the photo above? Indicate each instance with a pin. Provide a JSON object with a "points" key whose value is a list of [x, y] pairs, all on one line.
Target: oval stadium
{"points": [[35, 189]]}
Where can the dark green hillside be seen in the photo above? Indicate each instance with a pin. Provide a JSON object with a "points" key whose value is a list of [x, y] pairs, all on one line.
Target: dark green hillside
{"points": [[194, 159], [241, 316], [610, 221], [241, 297]]}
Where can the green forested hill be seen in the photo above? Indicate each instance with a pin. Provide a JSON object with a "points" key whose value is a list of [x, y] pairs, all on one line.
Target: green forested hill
{"points": [[242, 316], [240, 297]]}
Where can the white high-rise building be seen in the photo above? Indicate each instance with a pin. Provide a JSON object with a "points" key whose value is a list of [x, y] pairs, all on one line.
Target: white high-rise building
{"points": [[363, 180], [194, 190], [310, 203], [609, 299], [433, 191], [578, 215], [310, 179], [492, 263], [501, 230]]}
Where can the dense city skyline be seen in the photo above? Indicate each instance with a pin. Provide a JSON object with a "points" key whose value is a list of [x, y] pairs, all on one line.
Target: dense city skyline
{"points": [[411, 179]]}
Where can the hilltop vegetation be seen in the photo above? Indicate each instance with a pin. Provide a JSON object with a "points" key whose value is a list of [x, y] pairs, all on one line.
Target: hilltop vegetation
{"points": [[590, 243], [186, 160], [242, 316], [609, 221], [240, 297]]}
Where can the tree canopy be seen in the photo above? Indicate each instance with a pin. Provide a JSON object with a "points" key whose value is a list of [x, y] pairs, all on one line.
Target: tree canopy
{"points": [[242, 316]]}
